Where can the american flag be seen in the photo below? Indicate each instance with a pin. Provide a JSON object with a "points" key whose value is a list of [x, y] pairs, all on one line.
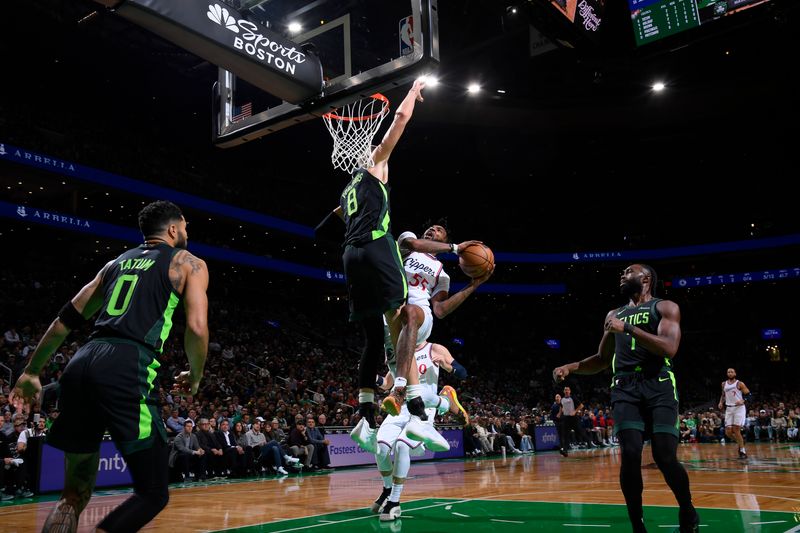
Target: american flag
{"points": [[242, 112]]}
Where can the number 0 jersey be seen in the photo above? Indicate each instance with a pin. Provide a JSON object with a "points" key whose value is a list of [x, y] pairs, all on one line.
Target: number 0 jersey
{"points": [[425, 274], [428, 370], [139, 299]]}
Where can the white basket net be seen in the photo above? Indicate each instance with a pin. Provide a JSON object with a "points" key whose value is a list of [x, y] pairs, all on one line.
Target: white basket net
{"points": [[352, 127]]}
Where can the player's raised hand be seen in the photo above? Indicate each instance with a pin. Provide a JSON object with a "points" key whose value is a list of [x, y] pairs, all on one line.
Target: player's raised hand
{"points": [[560, 373], [466, 244], [183, 385], [25, 392], [419, 84]]}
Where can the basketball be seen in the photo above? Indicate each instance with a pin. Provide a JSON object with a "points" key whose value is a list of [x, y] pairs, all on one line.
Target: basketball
{"points": [[476, 260]]}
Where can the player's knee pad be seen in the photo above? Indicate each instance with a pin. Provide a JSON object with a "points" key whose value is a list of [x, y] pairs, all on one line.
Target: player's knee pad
{"points": [[402, 459], [382, 458]]}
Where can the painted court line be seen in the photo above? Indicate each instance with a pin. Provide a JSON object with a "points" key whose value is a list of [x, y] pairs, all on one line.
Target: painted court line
{"points": [[368, 517], [586, 525], [461, 515], [764, 523], [506, 521]]}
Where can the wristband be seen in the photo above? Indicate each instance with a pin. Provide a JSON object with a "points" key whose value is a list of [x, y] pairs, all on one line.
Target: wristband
{"points": [[628, 328]]}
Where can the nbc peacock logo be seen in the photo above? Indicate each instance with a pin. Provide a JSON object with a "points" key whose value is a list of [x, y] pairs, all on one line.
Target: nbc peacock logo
{"points": [[220, 15]]}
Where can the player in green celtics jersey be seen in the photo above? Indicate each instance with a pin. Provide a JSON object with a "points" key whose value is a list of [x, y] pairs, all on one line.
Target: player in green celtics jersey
{"points": [[377, 286], [110, 383], [641, 338]]}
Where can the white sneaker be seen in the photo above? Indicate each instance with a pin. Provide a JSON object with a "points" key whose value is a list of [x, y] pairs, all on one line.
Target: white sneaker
{"points": [[365, 436], [282, 471], [421, 431], [291, 460], [391, 511]]}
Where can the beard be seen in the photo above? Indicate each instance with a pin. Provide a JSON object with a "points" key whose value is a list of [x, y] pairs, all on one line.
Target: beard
{"points": [[181, 242], [631, 287]]}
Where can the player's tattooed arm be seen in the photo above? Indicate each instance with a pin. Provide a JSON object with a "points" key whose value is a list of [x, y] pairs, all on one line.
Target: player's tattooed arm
{"points": [[183, 264]]}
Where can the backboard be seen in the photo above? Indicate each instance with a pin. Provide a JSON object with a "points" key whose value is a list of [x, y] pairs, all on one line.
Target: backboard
{"points": [[365, 46]]}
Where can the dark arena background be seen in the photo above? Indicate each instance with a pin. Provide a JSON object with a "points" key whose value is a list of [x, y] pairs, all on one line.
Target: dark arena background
{"points": [[574, 138]]}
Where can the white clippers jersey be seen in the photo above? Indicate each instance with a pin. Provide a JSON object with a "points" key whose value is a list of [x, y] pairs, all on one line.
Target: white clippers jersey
{"points": [[425, 274], [428, 370], [732, 393]]}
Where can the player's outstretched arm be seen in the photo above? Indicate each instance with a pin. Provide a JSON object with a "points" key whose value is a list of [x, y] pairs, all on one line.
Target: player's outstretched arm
{"points": [[73, 315], [594, 363], [401, 118]]}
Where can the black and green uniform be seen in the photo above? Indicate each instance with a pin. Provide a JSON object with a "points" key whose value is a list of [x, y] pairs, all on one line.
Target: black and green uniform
{"points": [[110, 383], [376, 280], [643, 391]]}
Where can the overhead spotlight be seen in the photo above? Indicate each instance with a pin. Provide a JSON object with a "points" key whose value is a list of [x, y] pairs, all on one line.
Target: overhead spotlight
{"points": [[430, 81], [501, 91], [473, 88], [658, 87], [295, 27], [511, 10]]}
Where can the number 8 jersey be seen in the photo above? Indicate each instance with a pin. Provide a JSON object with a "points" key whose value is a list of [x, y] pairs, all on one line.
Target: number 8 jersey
{"points": [[425, 274], [139, 299]]}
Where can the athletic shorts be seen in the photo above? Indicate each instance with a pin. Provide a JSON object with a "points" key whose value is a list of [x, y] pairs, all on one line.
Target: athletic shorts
{"points": [[110, 384], [649, 404], [735, 415], [376, 280], [393, 429]]}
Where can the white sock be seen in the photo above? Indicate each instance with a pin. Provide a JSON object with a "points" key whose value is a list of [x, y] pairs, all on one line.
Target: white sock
{"points": [[387, 481], [413, 391], [397, 490], [366, 397], [399, 382]]}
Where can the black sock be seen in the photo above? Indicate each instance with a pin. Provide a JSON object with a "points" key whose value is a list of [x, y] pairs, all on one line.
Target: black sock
{"points": [[416, 406], [367, 412]]}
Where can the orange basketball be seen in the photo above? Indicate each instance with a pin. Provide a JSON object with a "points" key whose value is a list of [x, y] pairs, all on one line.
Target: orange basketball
{"points": [[476, 260]]}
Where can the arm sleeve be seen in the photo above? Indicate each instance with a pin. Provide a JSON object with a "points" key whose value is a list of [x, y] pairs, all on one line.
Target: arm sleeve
{"points": [[443, 283]]}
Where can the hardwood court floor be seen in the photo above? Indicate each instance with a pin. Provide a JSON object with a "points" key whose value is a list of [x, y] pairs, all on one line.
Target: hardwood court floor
{"points": [[544, 492]]}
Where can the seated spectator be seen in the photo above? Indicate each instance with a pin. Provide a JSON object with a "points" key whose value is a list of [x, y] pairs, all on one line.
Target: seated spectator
{"points": [[792, 424], [779, 425], [8, 426], [212, 449], [764, 422], [320, 443], [685, 432], [300, 445], [175, 423], [187, 455], [234, 461]]}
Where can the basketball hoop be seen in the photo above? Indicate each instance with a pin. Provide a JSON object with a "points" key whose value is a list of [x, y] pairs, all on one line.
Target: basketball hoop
{"points": [[352, 127]]}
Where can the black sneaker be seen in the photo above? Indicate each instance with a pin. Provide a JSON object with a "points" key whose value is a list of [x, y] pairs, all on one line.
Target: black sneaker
{"points": [[742, 454], [377, 505], [690, 525], [564, 452], [391, 511]]}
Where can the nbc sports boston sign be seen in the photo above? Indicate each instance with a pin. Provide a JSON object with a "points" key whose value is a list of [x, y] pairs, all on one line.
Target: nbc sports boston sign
{"points": [[221, 35]]}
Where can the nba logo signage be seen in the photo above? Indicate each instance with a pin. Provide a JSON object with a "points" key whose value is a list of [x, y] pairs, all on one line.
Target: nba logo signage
{"points": [[406, 32]]}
